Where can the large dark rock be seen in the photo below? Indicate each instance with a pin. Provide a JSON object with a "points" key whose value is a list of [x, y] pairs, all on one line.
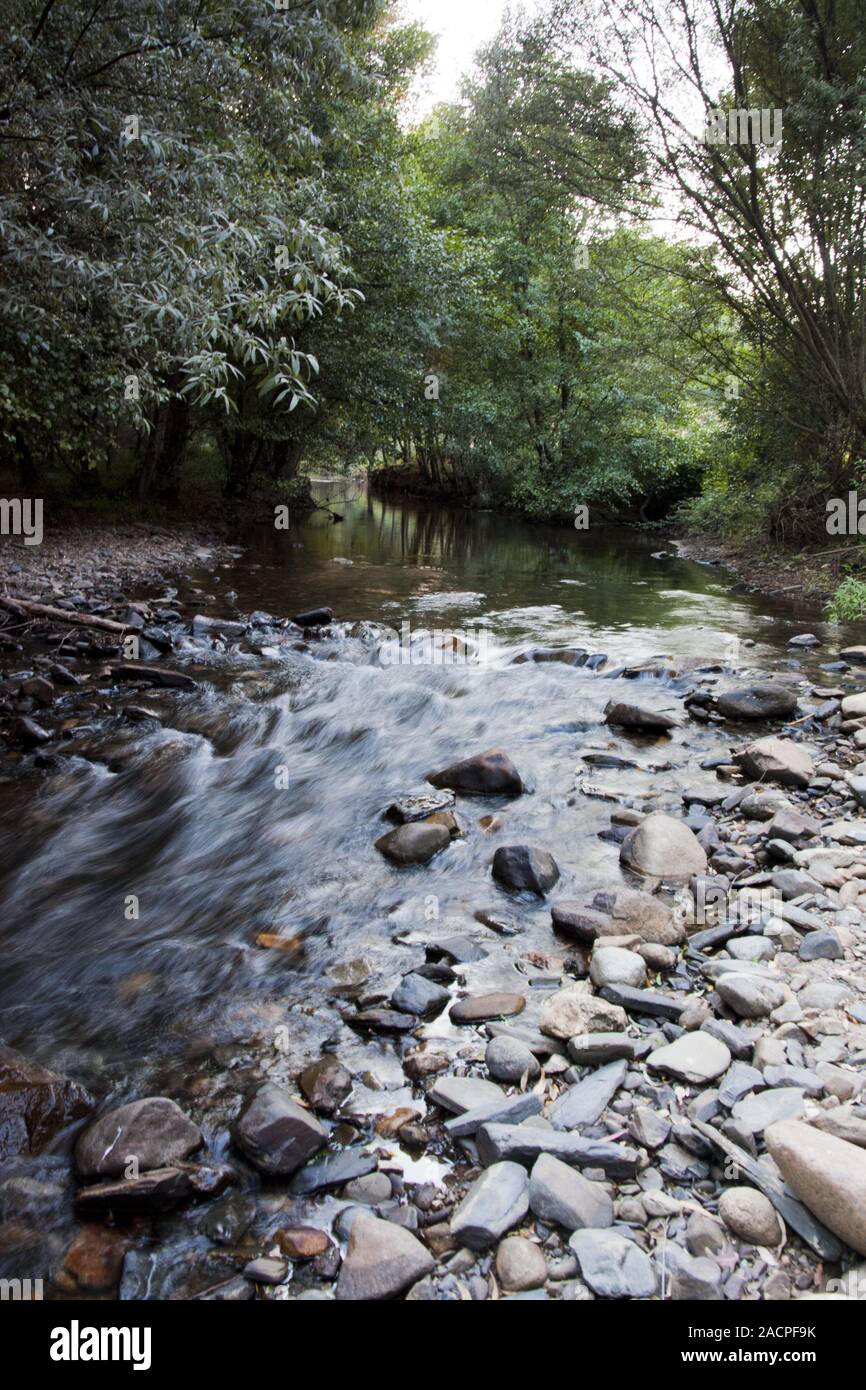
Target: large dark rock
{"points": [[315, 617], [35, 1104], [625, 716], [567, 656], [764, 701], [486, 774], [276, 1134], [153, 675], [156, 1191], [523, 868]]}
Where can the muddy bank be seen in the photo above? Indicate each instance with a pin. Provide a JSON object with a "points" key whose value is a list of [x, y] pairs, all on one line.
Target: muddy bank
{"points": [[762, 568]]}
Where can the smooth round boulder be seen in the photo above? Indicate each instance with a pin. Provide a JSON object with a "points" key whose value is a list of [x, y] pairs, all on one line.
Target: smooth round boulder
{"points": [[510, 1060], [414, 843], [663, 847], [485, 774], [611, 965], [751, 1216], [767, 700], [152, 1133]]}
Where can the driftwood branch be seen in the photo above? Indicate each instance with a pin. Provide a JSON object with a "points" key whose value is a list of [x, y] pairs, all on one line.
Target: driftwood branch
{"points": [[26, 607]]}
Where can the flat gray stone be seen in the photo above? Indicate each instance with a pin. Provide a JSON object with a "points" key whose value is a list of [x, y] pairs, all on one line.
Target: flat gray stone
{"points": [[561, 1196], [495, 1202], [755, 1113], [582, 1103], [695, 1057], [524, 1143], [461, 1093], [612, 1265], [508, 1110]]}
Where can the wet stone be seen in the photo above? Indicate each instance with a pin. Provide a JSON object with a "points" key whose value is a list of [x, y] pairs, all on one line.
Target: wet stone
{"points": [[326, 1083], [525, 869], [480, 1007], [333, 1171], [276, 1134], [417, 995]]}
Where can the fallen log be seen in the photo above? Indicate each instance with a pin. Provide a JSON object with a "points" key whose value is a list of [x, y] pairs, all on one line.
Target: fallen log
{"points": [[28, 607]]}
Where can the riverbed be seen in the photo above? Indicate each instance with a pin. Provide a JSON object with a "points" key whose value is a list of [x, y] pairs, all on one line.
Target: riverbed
{"points": [[189, 901]]}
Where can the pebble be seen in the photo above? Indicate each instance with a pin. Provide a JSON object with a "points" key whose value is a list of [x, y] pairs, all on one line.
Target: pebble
{"points": [[520, 1265]]}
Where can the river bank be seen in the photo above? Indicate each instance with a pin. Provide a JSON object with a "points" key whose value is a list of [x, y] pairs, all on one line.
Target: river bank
{"points": [[577, 1010]]}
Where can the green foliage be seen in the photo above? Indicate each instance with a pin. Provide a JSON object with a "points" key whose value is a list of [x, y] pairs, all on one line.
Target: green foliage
{"points": [[849, 601]]}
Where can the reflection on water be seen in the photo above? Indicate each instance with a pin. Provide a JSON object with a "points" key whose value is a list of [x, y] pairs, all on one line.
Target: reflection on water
{"points": [[193, 821]]}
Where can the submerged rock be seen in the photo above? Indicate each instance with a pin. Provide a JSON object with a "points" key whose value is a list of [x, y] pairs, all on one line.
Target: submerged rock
{"points": [[414, 843], [35, 1104]]}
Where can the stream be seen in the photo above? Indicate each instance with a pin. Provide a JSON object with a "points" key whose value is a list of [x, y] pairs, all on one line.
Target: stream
{"points": [[141, 879]]}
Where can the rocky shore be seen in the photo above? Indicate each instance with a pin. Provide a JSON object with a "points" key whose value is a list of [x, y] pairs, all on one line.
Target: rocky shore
{"points": [[667, 1103]]}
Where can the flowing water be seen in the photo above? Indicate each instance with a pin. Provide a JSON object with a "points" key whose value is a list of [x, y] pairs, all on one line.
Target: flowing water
{"points": [[254, 808]]}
